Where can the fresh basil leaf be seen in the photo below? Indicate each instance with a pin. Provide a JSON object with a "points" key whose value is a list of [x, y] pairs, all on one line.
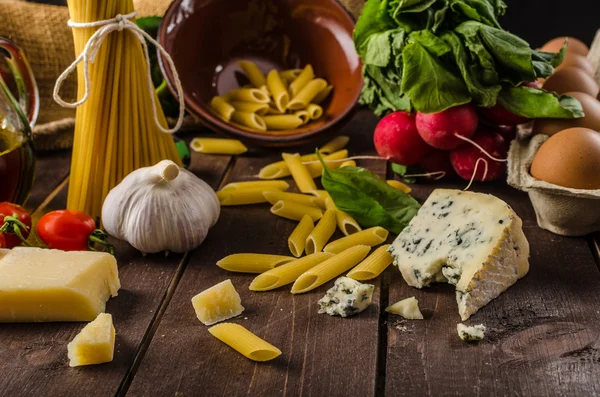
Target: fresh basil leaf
{"points": [[535, 103], [369, 199], [399, 169], [431, 85]]}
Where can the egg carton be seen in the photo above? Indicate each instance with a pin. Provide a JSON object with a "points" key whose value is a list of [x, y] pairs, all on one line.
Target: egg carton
{"points": [[561, 210]]}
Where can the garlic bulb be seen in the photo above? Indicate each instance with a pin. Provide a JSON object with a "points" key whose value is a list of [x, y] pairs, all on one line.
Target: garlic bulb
{"points": [[160, 208]]}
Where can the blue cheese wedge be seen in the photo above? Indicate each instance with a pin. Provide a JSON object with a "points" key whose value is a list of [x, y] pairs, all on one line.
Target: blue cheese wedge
{"points": [[471, 240], [472, 333], [407, 308], [346, 298]]}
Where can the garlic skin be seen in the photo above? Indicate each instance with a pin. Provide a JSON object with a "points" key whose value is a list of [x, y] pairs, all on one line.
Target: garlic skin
{"points": [[161, 208]]}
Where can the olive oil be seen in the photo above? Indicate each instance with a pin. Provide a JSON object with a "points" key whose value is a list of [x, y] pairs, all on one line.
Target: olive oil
{"points": [[17, 165]]}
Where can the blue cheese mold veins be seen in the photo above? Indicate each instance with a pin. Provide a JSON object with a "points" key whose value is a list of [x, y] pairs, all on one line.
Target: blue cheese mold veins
{"points": [[346, 298]]}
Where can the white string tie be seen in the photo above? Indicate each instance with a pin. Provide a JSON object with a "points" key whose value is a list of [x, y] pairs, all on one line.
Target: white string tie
{"points": [[88, 56]]}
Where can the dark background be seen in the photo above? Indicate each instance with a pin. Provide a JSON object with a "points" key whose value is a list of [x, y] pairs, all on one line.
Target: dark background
{"points": [[538, 21]]}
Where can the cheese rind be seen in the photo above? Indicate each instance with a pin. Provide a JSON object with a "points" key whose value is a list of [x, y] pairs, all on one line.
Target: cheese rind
{"points": [[40, 285], [407, 308], [472, 240], [346, 298], [218, 303], [95, 344], [472, 333]]}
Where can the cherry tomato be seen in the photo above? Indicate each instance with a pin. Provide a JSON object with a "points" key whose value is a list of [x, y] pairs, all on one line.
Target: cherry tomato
{"points": [[15, 224], [2, 241], [69, 230]]}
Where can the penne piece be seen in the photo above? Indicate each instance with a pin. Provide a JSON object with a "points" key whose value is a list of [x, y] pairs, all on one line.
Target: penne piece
{"points": [[399, 185], [287, 273], [244, 342], [299, 172], [279, 169], [289, 75], [254, 74], [336, 144], [297, 240], [250, 120], [265, 185], [320, 98], [256, 95], [332, 161], [373, 265], [277, 90], [304, 77], [221, 108], [250, 107], [282, 122], [218, 146], [295, 211], [322, 194], [321, 234], [252, 263], [345, 222], [348, 163], [330, 269], [304, 97], [273, 196], [242, 196], [314, 111], [370, 237], [303, 115]]}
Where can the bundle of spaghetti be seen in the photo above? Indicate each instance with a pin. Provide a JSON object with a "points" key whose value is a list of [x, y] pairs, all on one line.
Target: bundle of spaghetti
{"points": [[115, 131]]}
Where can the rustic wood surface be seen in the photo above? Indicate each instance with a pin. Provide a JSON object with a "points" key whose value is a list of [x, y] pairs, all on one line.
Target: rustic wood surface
{"points": [[543, 334]]}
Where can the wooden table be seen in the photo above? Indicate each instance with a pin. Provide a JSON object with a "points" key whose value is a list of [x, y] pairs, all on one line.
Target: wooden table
{"points": [[543, 337]]}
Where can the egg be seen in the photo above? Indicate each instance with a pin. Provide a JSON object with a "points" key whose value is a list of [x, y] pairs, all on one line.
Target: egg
{"points": [[574, 45], [570, 158], [591, 108], [578, 61], [571, 78]]}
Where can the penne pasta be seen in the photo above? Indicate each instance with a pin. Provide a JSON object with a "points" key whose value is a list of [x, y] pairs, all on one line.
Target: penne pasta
{"points": [[279, 169], [288, 273], [250, 120], [320, 98], [218, 146], [244, 342], [321, 193], [221, 108], [250, 107], [371, 237], [255, 95], [277, 90], [303, 115], [345, 222], [329, 269], [265, 185], [289, 75], [306, 94], [297, 240], [316, 169], [314, 111], [273, 196], [348, 163], [242, 196], [334, 145], [299, 172], [399, 185], [252, 263], [321, 234], [282, 122], [295, 211], [273, 112], [254, 74], [304, 77], [373, 265]]}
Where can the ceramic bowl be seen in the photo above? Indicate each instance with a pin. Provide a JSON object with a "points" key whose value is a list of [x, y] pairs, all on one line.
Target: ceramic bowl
{"points": [[206, 38]]}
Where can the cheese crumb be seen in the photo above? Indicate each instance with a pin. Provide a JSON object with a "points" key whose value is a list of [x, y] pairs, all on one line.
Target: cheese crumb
{"points": [[472, 333], [407, 308], [346, 298]]}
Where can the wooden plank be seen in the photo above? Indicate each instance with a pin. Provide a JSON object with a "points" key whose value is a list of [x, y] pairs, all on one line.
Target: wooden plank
{"points": [[322, 355], [51, 169], [35, 355], [542, 335]]}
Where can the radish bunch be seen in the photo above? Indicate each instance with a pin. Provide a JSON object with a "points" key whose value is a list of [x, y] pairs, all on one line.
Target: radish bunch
{"points": [[450, 140]]}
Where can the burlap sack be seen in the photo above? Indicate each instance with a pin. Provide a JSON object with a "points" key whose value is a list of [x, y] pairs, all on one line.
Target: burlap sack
{"points": [[561, 210]]}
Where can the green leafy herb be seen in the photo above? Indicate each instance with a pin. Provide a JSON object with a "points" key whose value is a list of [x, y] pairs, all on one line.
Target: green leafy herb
{"points": [[369, 199], [401, 170], [536, 103]]}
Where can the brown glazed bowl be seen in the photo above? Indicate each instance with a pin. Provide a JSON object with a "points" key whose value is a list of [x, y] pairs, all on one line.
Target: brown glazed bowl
{"points": [[207, 37]]}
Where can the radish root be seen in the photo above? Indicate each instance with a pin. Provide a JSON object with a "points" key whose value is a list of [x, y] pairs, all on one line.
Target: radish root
{"points": [[436, 175], [485, 171], [480, 148]]}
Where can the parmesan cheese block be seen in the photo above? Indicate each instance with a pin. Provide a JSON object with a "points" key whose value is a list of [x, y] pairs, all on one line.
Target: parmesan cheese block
{"points": [[39, 285], [407, 308], [472, 240], [95, 344], [218, 303]]}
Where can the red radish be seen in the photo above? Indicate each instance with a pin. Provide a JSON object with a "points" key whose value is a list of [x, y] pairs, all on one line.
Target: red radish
{"points": [[465, 157], [437, 160], [508, 132], [438, 129], [533, 84], [396, 138]]}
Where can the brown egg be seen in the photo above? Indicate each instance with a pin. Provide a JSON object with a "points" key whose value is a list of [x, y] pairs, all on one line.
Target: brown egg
{"points": [[591, 120], [578, 61], [571, 78], [570, 158], [574, 45]]}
